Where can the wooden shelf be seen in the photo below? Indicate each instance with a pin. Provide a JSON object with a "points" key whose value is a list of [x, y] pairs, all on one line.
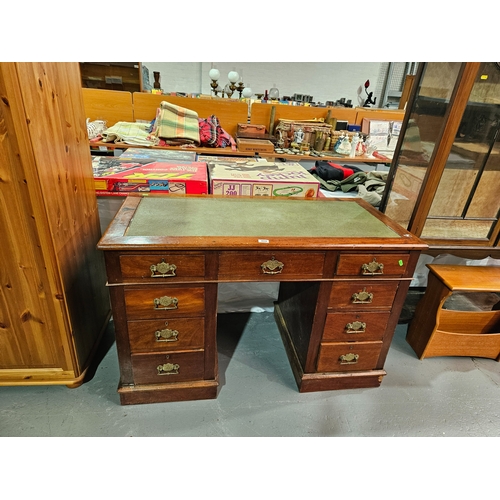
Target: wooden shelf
{"points": [[230, 152]]}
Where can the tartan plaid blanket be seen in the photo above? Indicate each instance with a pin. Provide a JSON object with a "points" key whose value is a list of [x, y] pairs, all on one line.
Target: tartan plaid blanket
{"points": [[176, 125]]}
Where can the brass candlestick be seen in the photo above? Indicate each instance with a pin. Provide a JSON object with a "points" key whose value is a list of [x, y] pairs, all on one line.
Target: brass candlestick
{"points": [[214, 86], [240, 88]]}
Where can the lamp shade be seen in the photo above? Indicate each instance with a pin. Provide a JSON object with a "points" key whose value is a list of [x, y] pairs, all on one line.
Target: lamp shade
{"points": [[233, 76], [214, 74], [247, 92], [274, 93]]}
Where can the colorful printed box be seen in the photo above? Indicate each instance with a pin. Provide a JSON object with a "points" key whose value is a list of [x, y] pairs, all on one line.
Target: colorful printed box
{"points": [[107, 165], [256, 178], [168, 155], [156, 177]]}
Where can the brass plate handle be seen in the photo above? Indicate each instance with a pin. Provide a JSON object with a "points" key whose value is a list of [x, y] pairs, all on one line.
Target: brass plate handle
{"points": [[168, 369], [166, 335], [373, 268], [166, 302], [355, 327], [348, 359], [272, 266], [363, 297], [162, 269]]}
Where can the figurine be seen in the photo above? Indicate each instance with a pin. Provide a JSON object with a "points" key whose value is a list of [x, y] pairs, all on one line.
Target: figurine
{"points": [[299, 136], [369, 100], [361, 147], [339, 142], [354, 145], [345, 146]]}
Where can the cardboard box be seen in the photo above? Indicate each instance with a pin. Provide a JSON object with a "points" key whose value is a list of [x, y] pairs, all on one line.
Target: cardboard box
{"points": [[375, 127], [156, 177], [396, 128], [254, 178], [104, 166], [379, 141], [254, 146], [169, 155], [242, 160]]}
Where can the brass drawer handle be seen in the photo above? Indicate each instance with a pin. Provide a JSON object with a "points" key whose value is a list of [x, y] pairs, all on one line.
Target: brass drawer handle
{"points": [[162, 269], [166, 302], [355, 327], [166, 335], [272, 266], [373, 268], [168, 369], [363, 297], [348, 359]]}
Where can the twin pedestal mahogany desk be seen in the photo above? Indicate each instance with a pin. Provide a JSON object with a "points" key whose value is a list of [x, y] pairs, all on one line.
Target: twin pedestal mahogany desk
{"points": [[344, 270]]}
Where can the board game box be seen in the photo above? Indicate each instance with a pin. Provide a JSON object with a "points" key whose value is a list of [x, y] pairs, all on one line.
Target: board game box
{"points": [[168, 155], [255, 178], [155, 177], [104, 166]]}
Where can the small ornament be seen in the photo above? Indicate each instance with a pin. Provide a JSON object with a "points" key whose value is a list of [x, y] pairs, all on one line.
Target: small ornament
{"points": [[338, 143], [345, 146], [361, 147]]}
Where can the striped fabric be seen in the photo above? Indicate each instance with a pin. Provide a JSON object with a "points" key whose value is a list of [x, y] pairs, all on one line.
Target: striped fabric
{"points": [[177, 125], [129, 133]]}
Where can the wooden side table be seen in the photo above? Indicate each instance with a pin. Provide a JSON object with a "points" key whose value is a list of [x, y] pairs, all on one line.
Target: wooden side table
{"points": [[438, 331]]}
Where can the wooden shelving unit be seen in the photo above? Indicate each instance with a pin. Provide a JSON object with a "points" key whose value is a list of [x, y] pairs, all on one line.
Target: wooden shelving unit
{"points": [[112, 75]]}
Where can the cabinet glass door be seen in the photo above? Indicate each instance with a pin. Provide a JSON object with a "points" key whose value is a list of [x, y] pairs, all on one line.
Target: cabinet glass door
{"points": [[444, 182], [423, 130], [467, 199]]}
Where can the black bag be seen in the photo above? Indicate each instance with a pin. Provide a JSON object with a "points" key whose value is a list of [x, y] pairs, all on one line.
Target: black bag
{"points": [[330, 171]]}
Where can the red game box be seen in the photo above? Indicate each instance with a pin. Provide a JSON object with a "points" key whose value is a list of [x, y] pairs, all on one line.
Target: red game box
{"points": [[156, 177]]}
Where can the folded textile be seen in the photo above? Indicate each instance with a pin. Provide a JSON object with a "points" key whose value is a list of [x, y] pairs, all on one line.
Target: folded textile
{"points": [[370, 185], [226, 139], [209, 130], [95, 128], [213, 135], [373, 188], [345, 185], [128, 132], [176, 125]]}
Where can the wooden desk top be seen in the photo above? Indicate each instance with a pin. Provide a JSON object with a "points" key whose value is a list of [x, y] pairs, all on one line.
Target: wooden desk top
{"points": [[211, 222]]}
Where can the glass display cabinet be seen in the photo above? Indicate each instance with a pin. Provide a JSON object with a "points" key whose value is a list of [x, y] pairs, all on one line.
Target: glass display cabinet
{"points": [[444, 181]]}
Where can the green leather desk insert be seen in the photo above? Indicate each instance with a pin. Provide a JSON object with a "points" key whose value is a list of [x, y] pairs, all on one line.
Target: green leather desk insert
{"points": [[251, 217]]}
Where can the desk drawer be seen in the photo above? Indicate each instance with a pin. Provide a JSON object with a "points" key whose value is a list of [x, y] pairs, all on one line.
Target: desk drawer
{"points": [[167, 368], [355, 326], [264, 266], [372, 264], [164, 302], [348, 356], [161, 335], [362, 295], [159, 268]]}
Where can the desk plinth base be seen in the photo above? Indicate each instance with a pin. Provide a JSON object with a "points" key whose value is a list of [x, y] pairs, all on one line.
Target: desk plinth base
{"points": [[321, 381], [165, 393]]}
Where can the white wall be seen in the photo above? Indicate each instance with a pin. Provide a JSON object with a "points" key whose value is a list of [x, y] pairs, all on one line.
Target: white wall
{"points": [[325, 81]]}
